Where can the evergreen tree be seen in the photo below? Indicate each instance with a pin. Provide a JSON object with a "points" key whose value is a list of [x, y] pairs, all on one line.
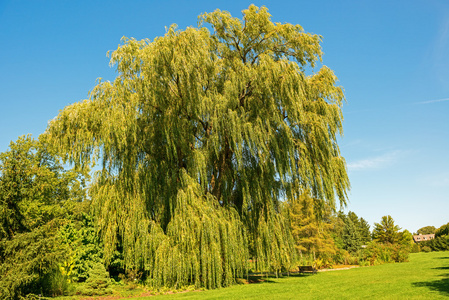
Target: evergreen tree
{"points": [[365, 234], [338, 224], [312, 235], [442, 231], [200, 137], [351, 236], [353, 232], [386, 231], [354, 219]]}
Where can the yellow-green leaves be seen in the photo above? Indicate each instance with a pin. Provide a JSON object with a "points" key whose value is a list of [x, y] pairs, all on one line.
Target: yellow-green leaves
{"points": [[202, 135]]}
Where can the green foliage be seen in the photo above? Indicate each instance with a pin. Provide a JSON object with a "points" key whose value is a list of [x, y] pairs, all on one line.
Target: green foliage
{"points": [[443, 230], [98, 282], [440, 243], [427, 230], [200, 137], [386, 231], [415, 248], [32, 184], [405, 238], [388, 245], [29, 262], [312, 234], [36, 194], [426, 249], [378, 253], [338, 224], [351, 235], [342, 257], [364, 230], [131, 279], [80, 235], [351, 232]]}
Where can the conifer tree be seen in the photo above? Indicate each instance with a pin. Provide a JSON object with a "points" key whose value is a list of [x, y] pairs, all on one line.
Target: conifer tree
{"points": [[386, 231], [200, 136], [351, 235], [365, 234], [312, 235], [443, 230]]}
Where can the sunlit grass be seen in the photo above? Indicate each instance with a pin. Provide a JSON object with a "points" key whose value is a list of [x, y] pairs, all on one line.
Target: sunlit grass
{"points": [[426, 276]]}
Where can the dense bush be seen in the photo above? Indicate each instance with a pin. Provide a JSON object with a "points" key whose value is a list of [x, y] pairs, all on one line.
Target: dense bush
{"points": [[378, 253], [440, 243], [37, 197], [415, 248], [98, 282], [84, 244], [426, 249], [30, 263], [443, 230]]}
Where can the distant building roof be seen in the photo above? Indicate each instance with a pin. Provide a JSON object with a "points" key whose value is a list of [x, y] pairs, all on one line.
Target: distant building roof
{"points": [[423, 237]]}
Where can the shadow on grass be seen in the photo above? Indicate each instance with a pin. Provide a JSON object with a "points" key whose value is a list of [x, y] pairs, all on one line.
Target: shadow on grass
{"points": [[441, 286], [264, 279], [256, 279]]}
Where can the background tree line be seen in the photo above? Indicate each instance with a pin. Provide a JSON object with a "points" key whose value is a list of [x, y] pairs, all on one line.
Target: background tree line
{"points": [[338, 238], [439, 243]]}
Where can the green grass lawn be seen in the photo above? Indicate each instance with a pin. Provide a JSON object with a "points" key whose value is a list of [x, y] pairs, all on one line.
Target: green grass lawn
{"points": [[426, 276]]}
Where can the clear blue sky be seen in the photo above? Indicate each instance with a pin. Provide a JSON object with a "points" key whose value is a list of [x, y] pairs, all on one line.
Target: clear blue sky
{"points": [[392, 58]]}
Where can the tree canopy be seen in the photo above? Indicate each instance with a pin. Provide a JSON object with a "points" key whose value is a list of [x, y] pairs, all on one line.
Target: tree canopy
{"points": [[201, 135], [386, 231], [33, 187], [427, 230], [36, 197], [443, 230], [312, 234]]}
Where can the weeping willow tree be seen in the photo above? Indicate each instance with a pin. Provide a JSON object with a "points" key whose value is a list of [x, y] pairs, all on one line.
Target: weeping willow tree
{"points": [[200, 137]]}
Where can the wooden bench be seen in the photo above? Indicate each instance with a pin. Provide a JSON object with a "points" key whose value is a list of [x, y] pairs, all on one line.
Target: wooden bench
{"points": [[307, 269]]}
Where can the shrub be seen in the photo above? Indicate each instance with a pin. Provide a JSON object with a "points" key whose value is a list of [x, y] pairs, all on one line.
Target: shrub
{"points": [[440, 243], [97, 283], [400, 253], [342, 257], [415, 248], [426, 249], [378, 253], [28, 262], [132, 278]]}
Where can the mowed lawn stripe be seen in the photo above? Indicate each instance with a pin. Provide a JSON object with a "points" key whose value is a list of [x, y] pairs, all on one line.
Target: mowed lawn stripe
{"points": [[426, 276]]}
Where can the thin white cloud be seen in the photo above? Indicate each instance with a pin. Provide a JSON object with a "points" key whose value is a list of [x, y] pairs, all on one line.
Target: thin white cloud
{"points": [[433, 101], [441, 48], [377, 162], [439, 180]]}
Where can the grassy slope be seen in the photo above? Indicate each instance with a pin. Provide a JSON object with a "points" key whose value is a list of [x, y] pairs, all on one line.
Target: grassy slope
{"points": [[426, 276]]}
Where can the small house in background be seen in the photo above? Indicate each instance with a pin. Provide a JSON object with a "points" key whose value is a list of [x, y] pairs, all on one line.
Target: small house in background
{"points": [[423, 237]]}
